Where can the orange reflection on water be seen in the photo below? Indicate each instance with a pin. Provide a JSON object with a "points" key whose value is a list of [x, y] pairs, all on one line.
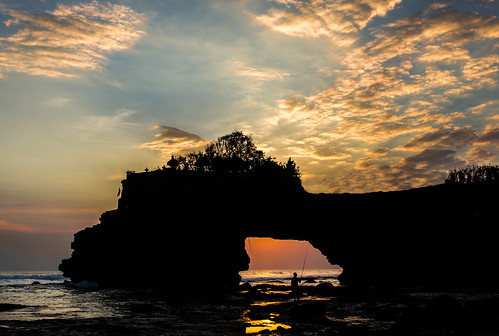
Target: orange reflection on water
{"points": [[269, 324]]}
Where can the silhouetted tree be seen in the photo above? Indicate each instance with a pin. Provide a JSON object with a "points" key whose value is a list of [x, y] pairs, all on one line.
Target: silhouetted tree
{"points": [[474, 174], [236, 153], [291, 169]]}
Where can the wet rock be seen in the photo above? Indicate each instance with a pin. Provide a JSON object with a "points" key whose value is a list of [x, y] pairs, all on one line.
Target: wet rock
{"points": [[313, 310], [245, 287], [324, 289]]}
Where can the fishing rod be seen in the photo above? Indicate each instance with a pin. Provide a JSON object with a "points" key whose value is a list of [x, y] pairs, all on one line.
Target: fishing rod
{"points": [[304, 261]]}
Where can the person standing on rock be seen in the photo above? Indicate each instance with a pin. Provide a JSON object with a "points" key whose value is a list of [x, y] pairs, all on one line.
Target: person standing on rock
{"points": [[295, 289]]}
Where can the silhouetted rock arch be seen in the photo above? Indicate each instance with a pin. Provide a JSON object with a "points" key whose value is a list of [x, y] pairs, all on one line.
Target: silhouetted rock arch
{"points": [[194, 223]]}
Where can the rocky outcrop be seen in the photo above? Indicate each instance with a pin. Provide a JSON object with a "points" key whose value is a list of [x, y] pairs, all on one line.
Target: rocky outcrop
{"points": [[193, 224], [440, 236], [176, 229]]}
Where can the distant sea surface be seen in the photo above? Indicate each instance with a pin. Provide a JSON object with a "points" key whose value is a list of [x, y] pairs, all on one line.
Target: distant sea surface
{"points": [[49, 295]]}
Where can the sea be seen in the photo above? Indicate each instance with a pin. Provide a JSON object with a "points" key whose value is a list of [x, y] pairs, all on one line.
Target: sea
{"points": [[48, 295], [47, 303]]}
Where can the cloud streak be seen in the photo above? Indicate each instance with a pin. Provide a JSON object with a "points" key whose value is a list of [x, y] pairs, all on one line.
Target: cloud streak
{"points": [[69, 39], [259, 74], [171, 141]]}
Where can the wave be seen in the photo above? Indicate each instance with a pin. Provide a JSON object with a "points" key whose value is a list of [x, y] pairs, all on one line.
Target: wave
{"points": [[28, 278], [284, 275]]}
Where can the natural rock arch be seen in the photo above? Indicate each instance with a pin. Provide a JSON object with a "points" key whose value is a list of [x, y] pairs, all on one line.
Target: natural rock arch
{"points": [[171, 222]]}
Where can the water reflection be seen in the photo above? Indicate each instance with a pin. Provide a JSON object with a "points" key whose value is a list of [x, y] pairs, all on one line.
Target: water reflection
{"points": [[59, 301], [256, 326]]}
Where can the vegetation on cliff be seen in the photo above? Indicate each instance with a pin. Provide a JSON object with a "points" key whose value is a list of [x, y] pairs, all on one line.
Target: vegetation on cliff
{"points": [[232, 153], [474, 174]]}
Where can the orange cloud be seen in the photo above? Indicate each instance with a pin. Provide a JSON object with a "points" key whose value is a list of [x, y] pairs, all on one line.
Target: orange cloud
{"points": [[4, 225], [46, 218], [70, 38], [397, 89], [337, 20], [479, 155]]}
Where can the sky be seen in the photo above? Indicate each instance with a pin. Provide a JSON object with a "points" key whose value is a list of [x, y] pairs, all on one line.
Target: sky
{"points": [[365, 95], [268, 253]]}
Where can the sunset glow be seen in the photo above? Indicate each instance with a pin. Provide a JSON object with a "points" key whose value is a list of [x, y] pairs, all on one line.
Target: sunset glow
{"points": [[268, 253], [365, 95]]}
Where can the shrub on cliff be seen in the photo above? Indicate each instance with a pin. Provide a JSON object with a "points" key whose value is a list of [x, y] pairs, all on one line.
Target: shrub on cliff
{"points": [[235, 153], [474, 174]]}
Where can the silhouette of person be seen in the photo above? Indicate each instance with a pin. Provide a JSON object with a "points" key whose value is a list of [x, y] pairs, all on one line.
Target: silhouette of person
{"points": [[295, 290]]}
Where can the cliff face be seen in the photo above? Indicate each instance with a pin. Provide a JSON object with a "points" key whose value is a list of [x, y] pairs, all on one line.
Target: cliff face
{"points": [[440, 236], [184, 222], [172, 224]]}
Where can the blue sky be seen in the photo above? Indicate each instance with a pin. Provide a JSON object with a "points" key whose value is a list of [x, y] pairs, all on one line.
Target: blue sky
{"points": [[365, 95]]}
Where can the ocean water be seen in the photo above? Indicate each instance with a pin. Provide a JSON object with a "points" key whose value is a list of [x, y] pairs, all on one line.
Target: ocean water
{"points": [[45, 303], [49, 295], [280, 276], [27, 278]]}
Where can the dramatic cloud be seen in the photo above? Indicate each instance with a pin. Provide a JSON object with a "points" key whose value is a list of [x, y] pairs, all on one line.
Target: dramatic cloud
{"points": [[67, 39], [172, 141], [338, 20], [446, 138], [397, 91], [425, 168], [479, 155]]}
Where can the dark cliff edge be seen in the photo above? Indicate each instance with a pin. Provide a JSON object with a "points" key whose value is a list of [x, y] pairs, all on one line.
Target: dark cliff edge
{"points": [[189, 224]]}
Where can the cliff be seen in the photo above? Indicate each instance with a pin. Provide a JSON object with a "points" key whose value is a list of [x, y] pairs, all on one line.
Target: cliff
{"points": [[171, 223], [195, 223]]}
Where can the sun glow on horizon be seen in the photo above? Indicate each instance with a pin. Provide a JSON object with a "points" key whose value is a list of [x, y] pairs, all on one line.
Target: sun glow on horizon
{"points": [[268, 253]]}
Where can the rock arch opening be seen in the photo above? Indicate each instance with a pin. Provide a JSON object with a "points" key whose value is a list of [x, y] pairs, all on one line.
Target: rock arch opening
{"points": [[286, 254]]}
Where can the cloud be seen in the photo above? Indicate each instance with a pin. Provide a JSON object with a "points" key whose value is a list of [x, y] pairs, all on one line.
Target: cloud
{"points": [[479, 155], [401, 90], [68, 39], [260, 74], [338, 20], [445, 137], [444, 32], [478, 109], [105, 122], [4, 225], [490, 136], [316, 152], [171, 140], [432, 159], [29, 217], [425, 168]]}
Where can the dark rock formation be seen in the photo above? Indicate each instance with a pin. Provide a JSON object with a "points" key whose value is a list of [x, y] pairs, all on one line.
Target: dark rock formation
{"points": [[192, 225], [439, 236], [176, 228]]}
